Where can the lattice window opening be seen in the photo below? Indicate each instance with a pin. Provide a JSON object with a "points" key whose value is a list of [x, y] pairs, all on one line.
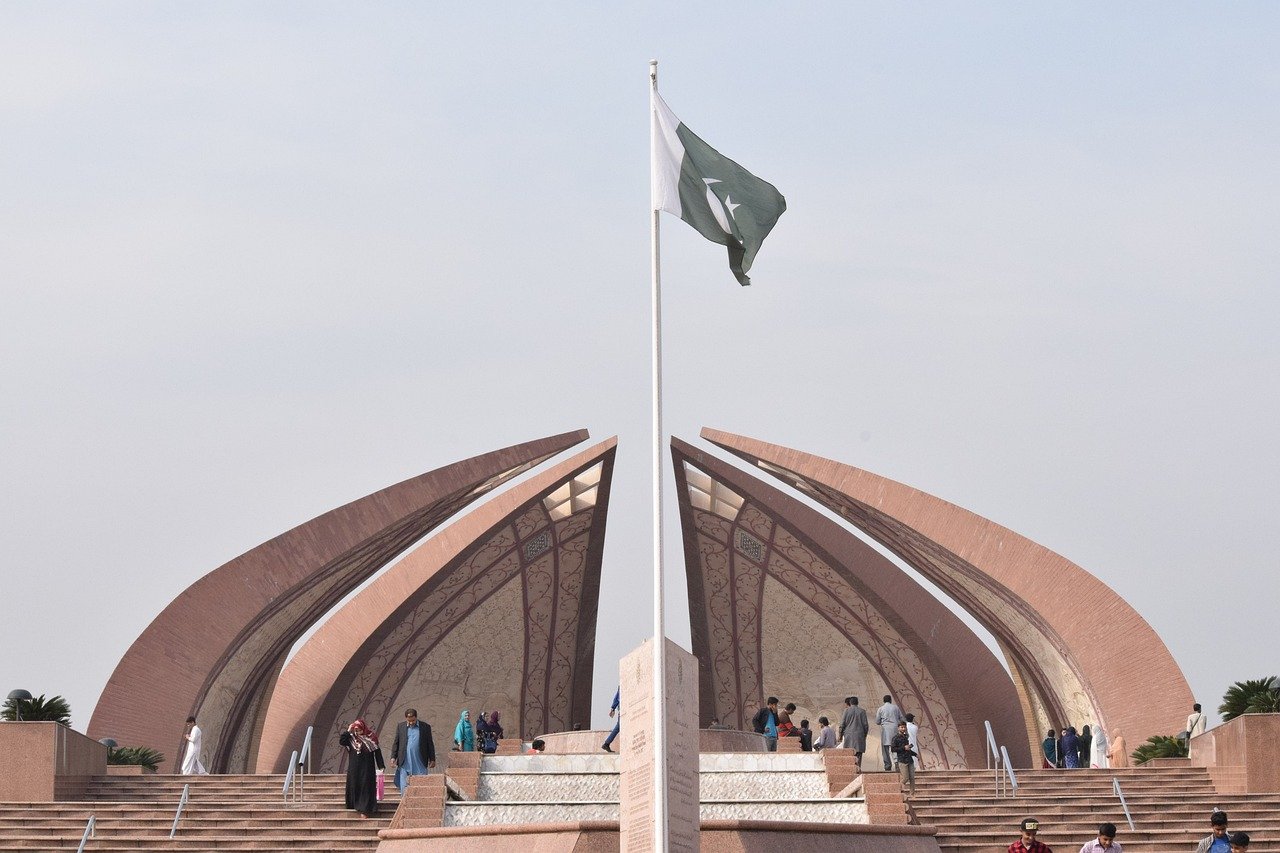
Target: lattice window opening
{"points": [[749, 546], [537, 546], [712, 495], [575, 495]]}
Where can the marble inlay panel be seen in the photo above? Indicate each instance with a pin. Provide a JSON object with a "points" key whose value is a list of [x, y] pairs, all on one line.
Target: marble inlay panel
{"points": [[546, 763], [749, 785], [759, 761], [532, 787], [484, 814], [826, 811], [815, 811]]}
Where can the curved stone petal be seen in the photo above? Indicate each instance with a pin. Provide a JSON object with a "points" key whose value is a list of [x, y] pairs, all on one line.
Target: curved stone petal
{"points": [[216, 650], [1110, 668]]}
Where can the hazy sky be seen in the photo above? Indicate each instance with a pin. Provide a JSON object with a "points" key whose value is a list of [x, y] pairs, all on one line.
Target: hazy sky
{"points": [[259, 260]]}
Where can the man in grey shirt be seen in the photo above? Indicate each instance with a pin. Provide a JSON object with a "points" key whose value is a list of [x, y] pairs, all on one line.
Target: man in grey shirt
{"points": [[887, 718], [853, 728]]}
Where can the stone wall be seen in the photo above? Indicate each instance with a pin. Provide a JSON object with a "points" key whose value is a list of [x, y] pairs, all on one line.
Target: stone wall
{"points": [[43, 762]]}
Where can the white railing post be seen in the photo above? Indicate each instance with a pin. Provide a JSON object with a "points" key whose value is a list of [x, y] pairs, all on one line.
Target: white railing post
{"points": [[182, 803], [1008, 768], [88, 833], [288, 776], [1115, 786], [304, 761], [992, 753]]}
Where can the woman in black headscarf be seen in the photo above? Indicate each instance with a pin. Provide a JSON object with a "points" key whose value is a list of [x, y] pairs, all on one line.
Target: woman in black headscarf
{"points": [[364, 762], [1085, 747]]}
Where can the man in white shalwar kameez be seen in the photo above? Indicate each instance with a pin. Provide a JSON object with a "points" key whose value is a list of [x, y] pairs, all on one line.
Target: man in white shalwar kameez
{"points": [[191, 759]]}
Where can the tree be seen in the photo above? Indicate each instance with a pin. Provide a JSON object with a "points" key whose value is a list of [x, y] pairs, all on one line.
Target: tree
{"points": [[54, 710], [1258, 696], [1160, 746], [143, 755]]}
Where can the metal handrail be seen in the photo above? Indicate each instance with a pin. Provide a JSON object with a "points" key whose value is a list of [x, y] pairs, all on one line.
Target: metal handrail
{"points": [[182, 803], [304, 757], [991, 746], [88, 833], [1008, 769], [288, 776], [1115, 786]]}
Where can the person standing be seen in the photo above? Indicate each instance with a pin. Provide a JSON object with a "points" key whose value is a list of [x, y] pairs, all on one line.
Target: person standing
{"points": [[191, 758], [888, 716], [1070, 748], [1217, 840], [1085, 748], [464, 734], [413, 751], [905, 755], [785, 727], [1027, 841], [854, 728], [806, 736], [765, 722], [1195, 722], [614, 712], [364, 760], [913, 732], [1100, 747], [1118, 752], [826, 738], [1049, 747], [1106, 840]]}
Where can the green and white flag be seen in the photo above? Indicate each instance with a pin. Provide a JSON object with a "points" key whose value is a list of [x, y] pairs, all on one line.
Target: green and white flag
{"points": [[723, 201]]}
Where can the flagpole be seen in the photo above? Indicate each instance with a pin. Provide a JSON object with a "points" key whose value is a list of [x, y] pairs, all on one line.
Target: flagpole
{"points": [[659, 622]]}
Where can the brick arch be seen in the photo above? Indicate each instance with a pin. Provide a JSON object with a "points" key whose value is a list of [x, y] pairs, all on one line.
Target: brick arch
{"points": [[520, 568], [778, 559], [1067, 670], [215, 651]]}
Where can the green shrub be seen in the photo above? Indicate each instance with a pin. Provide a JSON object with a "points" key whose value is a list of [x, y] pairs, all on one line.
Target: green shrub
{"points": [[140, 755], [55, 710], [1160, 746]]}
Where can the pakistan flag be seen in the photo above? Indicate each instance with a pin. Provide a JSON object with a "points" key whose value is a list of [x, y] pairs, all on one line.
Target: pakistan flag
{"points": [[726, 203]]}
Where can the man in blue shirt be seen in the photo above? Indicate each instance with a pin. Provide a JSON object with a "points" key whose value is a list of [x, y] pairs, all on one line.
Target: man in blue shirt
{"points": [[617, 726], [413, 751], [765, 722], [1217, 841]]}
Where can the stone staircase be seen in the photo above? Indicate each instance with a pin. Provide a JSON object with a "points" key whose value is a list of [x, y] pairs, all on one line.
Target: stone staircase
{"points": [[1170, 808], [733, 786], [232, 813]]}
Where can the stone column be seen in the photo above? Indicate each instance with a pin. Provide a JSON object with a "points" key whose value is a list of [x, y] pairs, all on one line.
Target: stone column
{"points": [[680, 707]]}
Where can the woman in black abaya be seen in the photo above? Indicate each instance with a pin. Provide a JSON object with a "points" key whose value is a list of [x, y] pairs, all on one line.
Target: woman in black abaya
{"points": [[364, 762]]}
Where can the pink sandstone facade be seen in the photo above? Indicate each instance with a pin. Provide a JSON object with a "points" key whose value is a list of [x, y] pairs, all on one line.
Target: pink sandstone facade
{"points": [[1065, 673], [785, 602], [496, 611], [216, 650]]}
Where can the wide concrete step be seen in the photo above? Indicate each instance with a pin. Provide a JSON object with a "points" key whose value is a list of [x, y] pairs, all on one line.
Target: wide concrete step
{"points": [[480, 813], [1170, 807]]}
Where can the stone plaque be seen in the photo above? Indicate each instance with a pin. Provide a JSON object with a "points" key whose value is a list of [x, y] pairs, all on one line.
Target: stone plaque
{"points": [[680, 710]]}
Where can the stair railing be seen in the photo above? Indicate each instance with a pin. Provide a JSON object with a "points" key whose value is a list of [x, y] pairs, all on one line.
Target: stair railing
{"points": [[1115, 786], [288, 776], [992, 753], [304, 758], [88, 833], [182, 804], [1008, 769]]}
